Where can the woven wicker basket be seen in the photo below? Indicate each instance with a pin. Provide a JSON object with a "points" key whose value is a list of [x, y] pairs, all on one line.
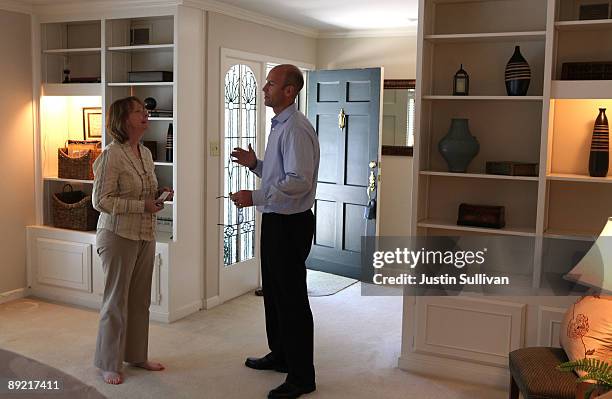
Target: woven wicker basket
{"points": [[79, 167], [73, 210]]}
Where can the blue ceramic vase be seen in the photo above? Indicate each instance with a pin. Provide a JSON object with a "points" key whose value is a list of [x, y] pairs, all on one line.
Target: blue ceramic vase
{"points": [[458, 147]]}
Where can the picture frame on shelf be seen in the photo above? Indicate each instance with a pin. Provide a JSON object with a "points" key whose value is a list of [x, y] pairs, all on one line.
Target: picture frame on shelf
{"points": [[92, 123]]}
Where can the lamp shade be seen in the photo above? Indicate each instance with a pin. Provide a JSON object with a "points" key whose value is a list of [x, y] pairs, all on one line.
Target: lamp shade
{"points": [[595, 268]]}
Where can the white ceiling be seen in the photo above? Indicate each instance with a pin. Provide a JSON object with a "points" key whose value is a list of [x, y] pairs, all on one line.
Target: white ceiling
{"points": [[337, 15], [321, 15]]}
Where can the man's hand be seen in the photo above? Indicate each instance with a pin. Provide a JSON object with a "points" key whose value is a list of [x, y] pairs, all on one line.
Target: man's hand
{"points": [[242, 198], [244, 157]]}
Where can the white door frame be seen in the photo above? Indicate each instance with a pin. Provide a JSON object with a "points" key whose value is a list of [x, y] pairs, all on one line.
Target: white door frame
{"points": [[237, 279]]}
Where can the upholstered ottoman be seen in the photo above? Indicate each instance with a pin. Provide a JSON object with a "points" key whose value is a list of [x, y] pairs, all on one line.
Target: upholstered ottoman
{"points": [[534, 373]]}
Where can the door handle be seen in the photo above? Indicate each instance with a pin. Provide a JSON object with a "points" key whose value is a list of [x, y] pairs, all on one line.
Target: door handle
{"points": [[341, 119], [372, 179]]}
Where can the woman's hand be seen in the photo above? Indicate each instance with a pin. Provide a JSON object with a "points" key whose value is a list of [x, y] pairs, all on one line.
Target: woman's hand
{"points": [[164, 189], [153, 206]]}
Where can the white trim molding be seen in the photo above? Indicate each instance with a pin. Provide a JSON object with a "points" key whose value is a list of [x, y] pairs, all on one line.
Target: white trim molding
{"points": [[13, 295], [102, 7], [455, 369], [251, 16], [210, 303], [16, 6], [405, 32]]}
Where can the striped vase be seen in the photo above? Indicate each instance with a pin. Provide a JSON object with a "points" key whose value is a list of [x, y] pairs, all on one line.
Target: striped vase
{"points": [[518, 74], [599, 159]]}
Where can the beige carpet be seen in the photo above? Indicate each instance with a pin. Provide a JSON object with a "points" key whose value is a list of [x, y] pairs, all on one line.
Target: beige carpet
{"points": [[357, 344], [325, 284], [17, 368]]}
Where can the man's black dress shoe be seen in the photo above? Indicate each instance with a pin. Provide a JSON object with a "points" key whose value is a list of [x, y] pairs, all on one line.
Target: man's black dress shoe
{"points": [[265, 363], [288, 390]]}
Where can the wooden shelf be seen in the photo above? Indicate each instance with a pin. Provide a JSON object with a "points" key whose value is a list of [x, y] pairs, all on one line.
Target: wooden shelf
{"points": [[578, 178], [74, 51], [142, 48], [581, 89], [487, 37], [595, 24], [570, 235], [478, 176], [72, 89], [163, 163], [483, 98], [68, 180], [447, 225], [161, 118], [128, 84]]}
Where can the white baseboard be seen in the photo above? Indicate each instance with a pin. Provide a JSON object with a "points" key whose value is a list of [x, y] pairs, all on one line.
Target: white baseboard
{"points": [[446, 368], [185, 311], [210, 303], [12, 295]]}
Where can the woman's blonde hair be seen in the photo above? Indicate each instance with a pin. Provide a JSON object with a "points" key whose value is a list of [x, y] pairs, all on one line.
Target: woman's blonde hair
{"points": [[117, 117]]}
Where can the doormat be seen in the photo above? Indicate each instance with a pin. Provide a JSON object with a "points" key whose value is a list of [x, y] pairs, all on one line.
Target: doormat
{"points": [[325, 284]]}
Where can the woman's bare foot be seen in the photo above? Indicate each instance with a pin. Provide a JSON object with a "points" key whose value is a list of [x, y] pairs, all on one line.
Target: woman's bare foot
{"points": [[152, 366], [112, 377]]}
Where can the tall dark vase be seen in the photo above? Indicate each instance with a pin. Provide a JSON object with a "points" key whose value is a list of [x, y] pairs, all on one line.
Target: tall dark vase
{"points": [[518, 74], [169, 145], [458, 147], [600, 154]]}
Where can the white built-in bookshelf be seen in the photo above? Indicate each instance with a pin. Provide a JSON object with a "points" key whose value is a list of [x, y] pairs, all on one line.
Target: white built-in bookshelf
{"points": [[101, 49], [63, 264], [551, 125]]}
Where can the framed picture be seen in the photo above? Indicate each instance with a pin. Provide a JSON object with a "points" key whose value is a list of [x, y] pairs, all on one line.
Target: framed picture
{"points": [[92, 123]]}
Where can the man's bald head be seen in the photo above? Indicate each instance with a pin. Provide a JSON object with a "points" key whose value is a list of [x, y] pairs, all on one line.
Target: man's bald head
{"points": [[293, 76]]}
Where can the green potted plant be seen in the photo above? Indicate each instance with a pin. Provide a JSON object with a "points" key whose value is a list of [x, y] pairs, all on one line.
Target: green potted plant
{"points": [[596, 370]]}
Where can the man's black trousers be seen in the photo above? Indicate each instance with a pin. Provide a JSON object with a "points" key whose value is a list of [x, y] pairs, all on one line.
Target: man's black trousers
{"points": [[285, 245]]}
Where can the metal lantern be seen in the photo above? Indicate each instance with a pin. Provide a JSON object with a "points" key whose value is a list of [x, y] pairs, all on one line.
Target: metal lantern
{"points": [[461, 83]]}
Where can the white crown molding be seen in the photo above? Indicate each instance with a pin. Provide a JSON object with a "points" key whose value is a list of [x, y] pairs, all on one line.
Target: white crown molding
{"points": [[405, 32], [102, 7], [16, 6], [251, 16]]}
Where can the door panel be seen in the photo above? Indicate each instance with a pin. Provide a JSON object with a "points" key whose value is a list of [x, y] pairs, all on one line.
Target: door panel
{"points": [[357, 150], [325, 230], [328, 144], [343, 171], [353, 226]]}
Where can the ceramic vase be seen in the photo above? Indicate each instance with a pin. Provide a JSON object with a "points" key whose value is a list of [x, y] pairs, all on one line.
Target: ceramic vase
{"points": [[599, 159], [458, 147], [518, 74]]}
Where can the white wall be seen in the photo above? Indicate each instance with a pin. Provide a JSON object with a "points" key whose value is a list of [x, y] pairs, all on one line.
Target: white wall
{"points": [[16, 148], [397, 55], [395, 196], [235, 34]]}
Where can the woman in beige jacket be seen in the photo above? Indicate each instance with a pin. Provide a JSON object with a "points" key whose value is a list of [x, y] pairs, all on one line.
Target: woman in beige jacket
{"points": [[125, 192]]}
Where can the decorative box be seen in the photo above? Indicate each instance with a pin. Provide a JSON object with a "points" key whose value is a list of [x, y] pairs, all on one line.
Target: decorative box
{"points": [[510, 168], [150, 76], [481, 216]]}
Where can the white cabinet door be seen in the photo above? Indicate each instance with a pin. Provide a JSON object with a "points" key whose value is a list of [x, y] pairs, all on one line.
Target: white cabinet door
{"points": [[159, 286], [64, 264], [156, 284], [97, 272]]}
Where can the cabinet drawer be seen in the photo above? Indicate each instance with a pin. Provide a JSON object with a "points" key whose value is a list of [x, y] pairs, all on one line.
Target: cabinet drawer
{"points": [[64, 264]]}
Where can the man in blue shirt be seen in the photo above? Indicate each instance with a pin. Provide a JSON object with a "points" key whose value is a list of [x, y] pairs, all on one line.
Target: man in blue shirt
{"points": [[288, 175]]}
